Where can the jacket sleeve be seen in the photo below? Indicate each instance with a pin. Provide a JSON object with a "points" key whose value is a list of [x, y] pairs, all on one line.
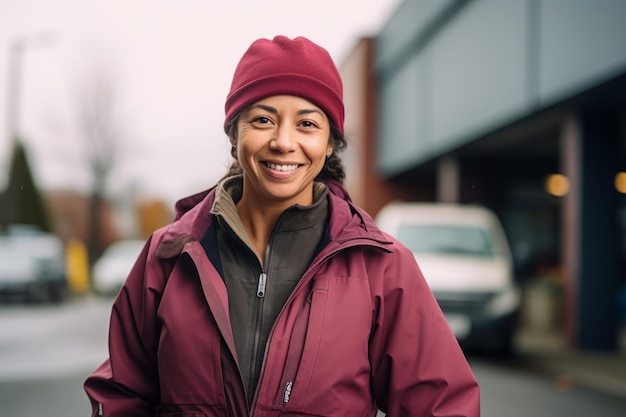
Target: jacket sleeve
{"points": [[418, 368], [127, 383]]}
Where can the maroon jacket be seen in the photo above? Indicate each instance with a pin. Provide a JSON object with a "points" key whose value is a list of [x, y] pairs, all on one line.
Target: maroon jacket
{"points": [[361, 331]]}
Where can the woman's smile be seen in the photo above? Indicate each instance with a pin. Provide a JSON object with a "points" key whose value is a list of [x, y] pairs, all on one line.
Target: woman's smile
{"points": [[282, 167]]}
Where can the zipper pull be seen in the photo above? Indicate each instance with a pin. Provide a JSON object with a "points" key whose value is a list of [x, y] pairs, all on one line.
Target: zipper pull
{"points": [[287, 392], [260, 291]]}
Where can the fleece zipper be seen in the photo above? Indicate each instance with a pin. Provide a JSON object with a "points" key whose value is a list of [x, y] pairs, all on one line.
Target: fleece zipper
{"points": [[258, 319]]}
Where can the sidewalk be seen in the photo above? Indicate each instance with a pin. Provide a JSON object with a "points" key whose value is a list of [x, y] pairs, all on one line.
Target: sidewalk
{"points": [[550, 354]]}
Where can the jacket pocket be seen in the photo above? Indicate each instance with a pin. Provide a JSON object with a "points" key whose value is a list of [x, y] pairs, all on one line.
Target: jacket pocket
{"points": [[294, 354], [304, 347]]}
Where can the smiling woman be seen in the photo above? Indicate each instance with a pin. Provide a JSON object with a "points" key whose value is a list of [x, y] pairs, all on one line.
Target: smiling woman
{"points": [[292, 298]]}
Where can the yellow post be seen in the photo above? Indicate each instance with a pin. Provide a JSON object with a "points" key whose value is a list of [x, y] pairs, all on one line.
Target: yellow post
{"points": [[77, 266]]}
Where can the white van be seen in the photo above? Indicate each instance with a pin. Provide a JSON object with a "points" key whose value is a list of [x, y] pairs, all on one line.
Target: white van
{"points": [[465, 258]]}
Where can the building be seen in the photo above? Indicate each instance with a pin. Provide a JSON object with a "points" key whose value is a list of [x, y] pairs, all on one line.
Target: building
{"points": [[516, 105]]}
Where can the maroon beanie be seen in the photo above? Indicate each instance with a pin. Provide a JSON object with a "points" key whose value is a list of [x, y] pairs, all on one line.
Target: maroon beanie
{"points": [[295, 67]]}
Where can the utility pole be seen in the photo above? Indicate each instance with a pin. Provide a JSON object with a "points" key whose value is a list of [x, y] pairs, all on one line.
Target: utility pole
{"points": [[17, 49], [13, 107]]}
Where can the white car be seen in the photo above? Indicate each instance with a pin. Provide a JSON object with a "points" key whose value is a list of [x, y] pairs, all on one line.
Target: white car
{"points": [[32, 264], [465, 258], [112, 268]]}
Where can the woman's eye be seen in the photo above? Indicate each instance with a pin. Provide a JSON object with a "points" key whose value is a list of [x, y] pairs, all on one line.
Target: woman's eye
{"points": [[307, 123], [261, 120]]}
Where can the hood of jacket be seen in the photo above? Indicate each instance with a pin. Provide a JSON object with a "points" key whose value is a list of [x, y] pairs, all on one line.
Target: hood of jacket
{"points": [[193, 218]]}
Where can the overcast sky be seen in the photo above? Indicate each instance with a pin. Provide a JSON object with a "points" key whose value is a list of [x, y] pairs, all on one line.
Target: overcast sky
{"points": [[170, 63]]}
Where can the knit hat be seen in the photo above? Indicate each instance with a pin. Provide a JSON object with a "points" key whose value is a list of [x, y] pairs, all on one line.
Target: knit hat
{"points": [[296, 67]]}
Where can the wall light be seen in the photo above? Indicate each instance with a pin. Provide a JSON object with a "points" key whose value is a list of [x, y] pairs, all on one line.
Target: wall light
{"points": [[620, 182], [557, 185]]}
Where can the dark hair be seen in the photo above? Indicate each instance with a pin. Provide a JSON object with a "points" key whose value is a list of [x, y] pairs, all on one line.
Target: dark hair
{"points": [[333, 168]]}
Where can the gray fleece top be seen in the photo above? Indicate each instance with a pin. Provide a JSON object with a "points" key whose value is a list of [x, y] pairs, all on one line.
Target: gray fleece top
{"points": [[256, 294]]}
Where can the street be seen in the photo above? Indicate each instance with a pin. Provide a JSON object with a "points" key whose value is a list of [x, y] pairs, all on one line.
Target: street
{"points": [[47, 351], [510, 391]]}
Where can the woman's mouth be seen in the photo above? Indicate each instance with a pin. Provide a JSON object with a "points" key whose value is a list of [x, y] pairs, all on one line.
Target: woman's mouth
{"points": [[282, 167]]}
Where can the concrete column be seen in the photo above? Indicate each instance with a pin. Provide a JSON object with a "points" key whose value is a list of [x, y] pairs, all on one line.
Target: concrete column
{"points": [[448, 181], [597, 307], [570, 222], [590, 239]]}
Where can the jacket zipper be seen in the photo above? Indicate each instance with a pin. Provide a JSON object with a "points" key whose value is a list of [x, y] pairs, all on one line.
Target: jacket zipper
{"points": [[290, 378], [286, 395]]}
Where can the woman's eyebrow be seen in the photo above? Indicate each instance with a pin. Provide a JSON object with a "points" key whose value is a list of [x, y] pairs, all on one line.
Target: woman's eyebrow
{"points": [[265, 107], [273, 110], [308, 111]]}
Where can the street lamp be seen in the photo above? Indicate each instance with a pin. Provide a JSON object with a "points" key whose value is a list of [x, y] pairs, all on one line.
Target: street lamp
{"points": [[18, 47]]}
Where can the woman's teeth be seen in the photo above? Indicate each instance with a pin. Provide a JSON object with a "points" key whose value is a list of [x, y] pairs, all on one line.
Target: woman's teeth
{"points": [[282, 167]]}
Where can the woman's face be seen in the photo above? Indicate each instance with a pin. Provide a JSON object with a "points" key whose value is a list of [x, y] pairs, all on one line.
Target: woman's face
{"points": [[282, 144]]}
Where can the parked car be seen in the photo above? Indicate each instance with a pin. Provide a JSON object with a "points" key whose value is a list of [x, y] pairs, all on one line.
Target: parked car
{"points": [[112, 268], [465, 258], [32, 264]]}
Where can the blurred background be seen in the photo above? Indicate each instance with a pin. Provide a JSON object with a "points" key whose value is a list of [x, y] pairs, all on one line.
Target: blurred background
{"points": [[111, 111]]}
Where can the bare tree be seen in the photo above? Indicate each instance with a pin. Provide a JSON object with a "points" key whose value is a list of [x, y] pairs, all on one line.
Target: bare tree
{"points": [[100, 129]]}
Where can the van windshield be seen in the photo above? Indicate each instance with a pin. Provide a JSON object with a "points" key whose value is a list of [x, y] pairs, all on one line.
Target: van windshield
{"points": [[446, 239]]}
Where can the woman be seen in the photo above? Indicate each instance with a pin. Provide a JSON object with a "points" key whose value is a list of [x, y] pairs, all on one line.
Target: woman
{"points": [[272, 293]]}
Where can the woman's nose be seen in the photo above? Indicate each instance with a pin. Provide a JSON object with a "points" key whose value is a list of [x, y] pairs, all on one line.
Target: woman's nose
{"points": [[284, 141]]}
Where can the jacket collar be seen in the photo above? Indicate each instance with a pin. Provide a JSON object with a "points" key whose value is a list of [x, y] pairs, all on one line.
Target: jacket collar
{"points": [[193, 219], [348, 221]]}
